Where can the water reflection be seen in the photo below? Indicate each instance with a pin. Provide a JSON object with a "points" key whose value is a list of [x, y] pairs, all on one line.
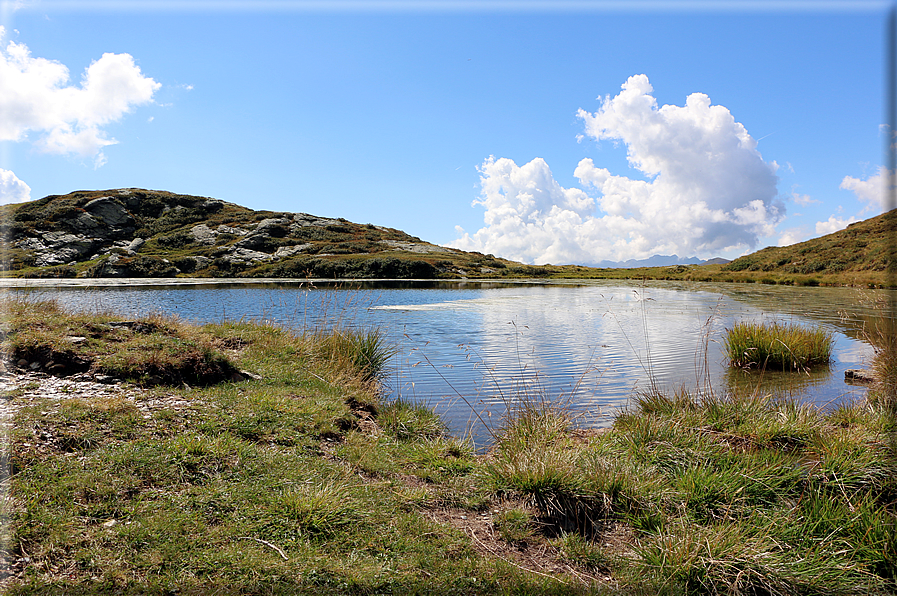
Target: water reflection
{"points": [[789, 385], [473, 349]]}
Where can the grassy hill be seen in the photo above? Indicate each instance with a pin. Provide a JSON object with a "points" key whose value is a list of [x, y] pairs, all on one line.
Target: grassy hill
{"points": [[144, 233], [863, 250]]}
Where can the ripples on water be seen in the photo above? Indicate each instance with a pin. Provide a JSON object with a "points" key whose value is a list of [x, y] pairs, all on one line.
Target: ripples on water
{"points": [[482, 346]]}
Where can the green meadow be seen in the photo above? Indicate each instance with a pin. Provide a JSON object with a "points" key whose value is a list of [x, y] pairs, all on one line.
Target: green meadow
{"points": [[243, 458]]}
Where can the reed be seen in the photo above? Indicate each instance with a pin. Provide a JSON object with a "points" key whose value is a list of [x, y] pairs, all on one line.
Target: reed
{"points": [[777, 345]]}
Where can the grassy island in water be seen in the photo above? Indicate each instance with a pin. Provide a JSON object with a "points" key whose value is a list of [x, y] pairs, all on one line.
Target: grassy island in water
{"points": [[241, 458]]}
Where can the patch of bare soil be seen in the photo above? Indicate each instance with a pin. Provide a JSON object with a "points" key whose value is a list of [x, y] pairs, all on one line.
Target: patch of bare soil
{"points": [[536, 556], [21, 389]]}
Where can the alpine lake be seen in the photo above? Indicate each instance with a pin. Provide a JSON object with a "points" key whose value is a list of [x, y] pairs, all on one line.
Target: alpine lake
{"points": [[473, 349]]}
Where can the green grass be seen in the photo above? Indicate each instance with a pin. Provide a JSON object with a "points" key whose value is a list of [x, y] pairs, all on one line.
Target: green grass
{"points": [[883, 337], [723, 494], [779, 346], [304, 482]]}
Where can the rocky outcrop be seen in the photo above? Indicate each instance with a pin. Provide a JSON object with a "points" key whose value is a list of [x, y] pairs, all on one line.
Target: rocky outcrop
{"points": [[58, 248], [203, 234], [289, 251]]}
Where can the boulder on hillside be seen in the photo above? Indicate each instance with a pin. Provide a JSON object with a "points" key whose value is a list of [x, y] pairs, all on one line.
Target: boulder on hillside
{"points": [[203, 234], [290, 251], [111, 212]]}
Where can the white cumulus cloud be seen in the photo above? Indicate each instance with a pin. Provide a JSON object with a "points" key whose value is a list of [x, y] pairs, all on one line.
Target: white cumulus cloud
{"points": [[833, 225], [792, 236], [804, 200], [874, 190], [13, 190], [706, 189], [37, 97]]}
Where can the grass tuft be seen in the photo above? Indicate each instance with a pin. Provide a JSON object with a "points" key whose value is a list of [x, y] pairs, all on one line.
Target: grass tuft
{"points": [[408, 421], [365, 351], [150, 351], [778, 346]]}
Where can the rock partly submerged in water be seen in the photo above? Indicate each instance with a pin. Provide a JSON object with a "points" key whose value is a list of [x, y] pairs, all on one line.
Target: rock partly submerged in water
{"points": [[856, 376]]}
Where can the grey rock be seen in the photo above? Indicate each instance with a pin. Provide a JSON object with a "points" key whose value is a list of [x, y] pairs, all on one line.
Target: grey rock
{"points": [[223, 229], [416, 247], [289, 251], [86, 223], [61, 247], [30, 244], [110, 211], [304, 220], [267, 225], [858, 376], [203, 234], [255, 240], [110, 267], [244, 255], [135, 244]]}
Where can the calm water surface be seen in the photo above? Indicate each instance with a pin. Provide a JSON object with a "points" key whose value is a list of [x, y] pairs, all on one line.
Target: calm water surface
{"points": [[470, 349]]}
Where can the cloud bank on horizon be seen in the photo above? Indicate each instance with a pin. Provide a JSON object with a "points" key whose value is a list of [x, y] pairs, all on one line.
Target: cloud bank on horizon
{"points": [[707, 190], [39, 105]]}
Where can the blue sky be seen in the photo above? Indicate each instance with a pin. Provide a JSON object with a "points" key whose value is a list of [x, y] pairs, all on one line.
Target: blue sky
{"points": [[406, 114]]}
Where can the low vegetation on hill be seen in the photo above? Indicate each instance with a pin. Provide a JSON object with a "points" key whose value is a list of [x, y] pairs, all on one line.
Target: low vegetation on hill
{"points": [[864, 250], [142, 233]]}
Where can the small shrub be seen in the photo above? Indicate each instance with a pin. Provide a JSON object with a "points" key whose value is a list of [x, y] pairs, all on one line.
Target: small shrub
{"points": [[176, 240]]}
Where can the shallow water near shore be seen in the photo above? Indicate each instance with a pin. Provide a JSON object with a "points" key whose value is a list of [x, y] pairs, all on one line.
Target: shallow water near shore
{"points": [[471, 349]]}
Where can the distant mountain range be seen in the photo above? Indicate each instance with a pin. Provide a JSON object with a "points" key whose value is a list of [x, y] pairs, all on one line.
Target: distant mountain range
{"points": [[659, 261]]}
